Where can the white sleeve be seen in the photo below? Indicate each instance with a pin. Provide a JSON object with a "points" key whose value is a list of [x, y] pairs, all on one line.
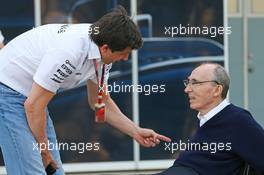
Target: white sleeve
{"points": [[1, 37], [56, 66]]}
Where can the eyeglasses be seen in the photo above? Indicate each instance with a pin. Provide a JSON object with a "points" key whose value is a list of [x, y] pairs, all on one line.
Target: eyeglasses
{"points": [[192, 82]]}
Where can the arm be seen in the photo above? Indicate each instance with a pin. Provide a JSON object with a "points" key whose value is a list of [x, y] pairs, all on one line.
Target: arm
{"points": [[249, 141], [35, 106], [145, 137]]}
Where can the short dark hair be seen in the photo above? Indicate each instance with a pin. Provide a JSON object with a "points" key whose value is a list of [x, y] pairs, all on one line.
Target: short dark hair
{"points": [[117, 30]]}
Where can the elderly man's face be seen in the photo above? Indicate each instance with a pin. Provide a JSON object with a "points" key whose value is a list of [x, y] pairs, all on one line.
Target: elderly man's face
{"points": [[202, 91]]}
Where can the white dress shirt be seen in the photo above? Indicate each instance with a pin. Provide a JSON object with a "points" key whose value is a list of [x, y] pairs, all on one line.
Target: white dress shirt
{"points": [[204, 118]]}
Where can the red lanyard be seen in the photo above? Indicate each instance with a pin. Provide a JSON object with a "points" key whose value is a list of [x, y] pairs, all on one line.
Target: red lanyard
{"points": [[99, 106], [101, 81]]}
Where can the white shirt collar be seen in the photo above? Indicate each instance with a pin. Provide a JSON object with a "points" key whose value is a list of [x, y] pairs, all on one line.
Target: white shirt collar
{"points": [[203, 119], [94, 52]]}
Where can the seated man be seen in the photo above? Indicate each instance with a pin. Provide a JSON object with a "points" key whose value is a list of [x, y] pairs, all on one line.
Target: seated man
{"points": [[228, 136]]}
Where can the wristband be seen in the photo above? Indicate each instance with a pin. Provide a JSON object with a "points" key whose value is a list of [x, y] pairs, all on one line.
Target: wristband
{"points": [[50, 170]]}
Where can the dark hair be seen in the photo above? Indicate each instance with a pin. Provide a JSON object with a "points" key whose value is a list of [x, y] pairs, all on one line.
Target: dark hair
{"points": [[117, 30]]}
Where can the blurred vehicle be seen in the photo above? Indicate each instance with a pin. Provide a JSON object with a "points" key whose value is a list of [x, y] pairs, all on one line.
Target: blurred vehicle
{"points": [[13, 24]]}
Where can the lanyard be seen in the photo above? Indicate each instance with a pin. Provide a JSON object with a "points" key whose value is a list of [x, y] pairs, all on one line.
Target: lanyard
{"points": [[101, 80], [99, 106]]}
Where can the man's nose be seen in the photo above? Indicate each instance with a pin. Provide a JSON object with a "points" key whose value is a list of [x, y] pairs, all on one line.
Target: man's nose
{"points": [[188, 88]]}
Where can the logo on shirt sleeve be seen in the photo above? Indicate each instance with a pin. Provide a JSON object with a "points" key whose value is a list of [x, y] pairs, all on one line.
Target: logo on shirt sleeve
{"points": [[65, 70], [63, 28]]}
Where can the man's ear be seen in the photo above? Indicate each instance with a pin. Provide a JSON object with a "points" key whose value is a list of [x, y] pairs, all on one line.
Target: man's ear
{"points": [[218, 90], [104, 48]]}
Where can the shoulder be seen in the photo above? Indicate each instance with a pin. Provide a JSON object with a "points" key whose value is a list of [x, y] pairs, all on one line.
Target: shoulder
{"points": [[242, 117], [73, 35], [74, 44], [236, 111]]}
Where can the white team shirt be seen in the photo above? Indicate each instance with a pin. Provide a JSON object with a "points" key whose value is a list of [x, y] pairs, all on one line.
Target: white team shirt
{"points": [[54, 56]]}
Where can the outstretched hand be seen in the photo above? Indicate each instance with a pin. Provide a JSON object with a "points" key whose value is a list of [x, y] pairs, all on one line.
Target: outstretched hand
{"points": [[149, 138]]}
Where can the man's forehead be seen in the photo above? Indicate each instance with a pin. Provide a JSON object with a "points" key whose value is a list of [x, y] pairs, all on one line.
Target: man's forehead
{"points": [[203, 71]]}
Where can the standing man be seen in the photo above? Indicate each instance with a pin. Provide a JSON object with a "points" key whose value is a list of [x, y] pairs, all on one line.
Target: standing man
{"points": [[37, 63], [228, 136]]}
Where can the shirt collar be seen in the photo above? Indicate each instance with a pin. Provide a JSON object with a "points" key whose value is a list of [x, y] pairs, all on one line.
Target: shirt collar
{"points": [[94, 52], [203, 119]]}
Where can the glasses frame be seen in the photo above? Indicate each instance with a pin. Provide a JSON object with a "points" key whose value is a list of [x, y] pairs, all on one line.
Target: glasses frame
{"points": [[188, 82]]}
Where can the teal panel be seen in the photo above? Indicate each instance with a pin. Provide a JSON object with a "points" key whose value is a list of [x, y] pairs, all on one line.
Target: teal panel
{"points": [[236, 61], [256, 77]]}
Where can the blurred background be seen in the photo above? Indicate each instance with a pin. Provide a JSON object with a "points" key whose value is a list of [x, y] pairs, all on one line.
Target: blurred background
{"points": [[163, 61]]}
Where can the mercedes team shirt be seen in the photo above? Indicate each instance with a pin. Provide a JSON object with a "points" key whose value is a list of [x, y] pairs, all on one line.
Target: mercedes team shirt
{"points": [[54, 56]]}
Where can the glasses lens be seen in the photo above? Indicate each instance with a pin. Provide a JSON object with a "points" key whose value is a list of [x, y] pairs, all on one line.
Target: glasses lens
{"points": [[185, 82]]}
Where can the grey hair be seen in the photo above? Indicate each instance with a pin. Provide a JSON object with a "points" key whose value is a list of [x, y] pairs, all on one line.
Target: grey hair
{"points": [[221, 76]]}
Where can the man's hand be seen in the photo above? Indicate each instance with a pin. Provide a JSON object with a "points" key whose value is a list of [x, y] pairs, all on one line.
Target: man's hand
{"points": [[145, 137], [47, 159], [148, 137]]}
